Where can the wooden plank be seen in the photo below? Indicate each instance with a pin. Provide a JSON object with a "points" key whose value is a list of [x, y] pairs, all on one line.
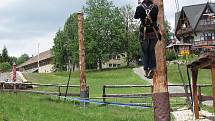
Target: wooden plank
{"points": [[202, 64], [206, 98], [128, 95], [126, 86], [39, 92], [213, 82], [195, 96]]}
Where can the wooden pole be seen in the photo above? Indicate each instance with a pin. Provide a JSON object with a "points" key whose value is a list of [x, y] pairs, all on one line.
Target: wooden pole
{"points": [[160, 84], [195, 94], [14, 75], [83, 86], [213, 82]]}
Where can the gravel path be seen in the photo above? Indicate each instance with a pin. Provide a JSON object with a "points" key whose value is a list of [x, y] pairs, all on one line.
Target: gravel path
{"points": [[140, 72], [183, 114]]}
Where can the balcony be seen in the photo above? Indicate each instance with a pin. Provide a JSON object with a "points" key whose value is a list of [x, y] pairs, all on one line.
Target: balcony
{"points": [[202, 28], [204, 43]]}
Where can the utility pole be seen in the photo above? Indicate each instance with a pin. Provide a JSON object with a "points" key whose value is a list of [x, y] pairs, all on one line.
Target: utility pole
{"points": [[160, 83], [84, 94]]}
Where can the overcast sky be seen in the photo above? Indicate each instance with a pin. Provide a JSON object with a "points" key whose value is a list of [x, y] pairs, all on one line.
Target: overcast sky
{"points": [[24, 23]]}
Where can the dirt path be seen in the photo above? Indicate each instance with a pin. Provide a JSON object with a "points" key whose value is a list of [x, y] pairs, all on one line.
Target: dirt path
{"points": [[140, 72]]}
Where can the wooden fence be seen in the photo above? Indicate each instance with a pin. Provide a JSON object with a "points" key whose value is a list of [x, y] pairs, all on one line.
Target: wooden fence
{"points": [[24, 88], [142, 95]]}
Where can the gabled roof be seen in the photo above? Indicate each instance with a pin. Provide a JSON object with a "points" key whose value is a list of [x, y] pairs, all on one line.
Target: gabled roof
{"points": [[194, 13], [212, 5], [177, 16], [42, 56]]}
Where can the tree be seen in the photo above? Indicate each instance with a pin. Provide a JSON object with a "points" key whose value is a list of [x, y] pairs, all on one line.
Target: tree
{"points": [[22, 59], [70, 29], [60, 50], [130, 34], [5, 66], [103, 28], [4, 56], [167, 29]]}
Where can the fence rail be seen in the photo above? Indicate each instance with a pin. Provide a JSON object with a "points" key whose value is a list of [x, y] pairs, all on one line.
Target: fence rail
{"points": [[24, 88], [142, 95]]}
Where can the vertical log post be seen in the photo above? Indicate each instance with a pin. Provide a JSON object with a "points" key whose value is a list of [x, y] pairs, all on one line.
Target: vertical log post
{"points": [[83, 86], [195, 93], [103, 94], [160, 84], [213, 81], [14, 75]]}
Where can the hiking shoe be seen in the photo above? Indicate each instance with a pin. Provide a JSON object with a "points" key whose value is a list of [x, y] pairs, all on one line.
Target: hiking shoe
{"points": [[150, 74], [146, 73]]}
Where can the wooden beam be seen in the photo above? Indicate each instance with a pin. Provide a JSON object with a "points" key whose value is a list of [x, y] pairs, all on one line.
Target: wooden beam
{"points": [[83, 85], [213, 82], [195, 93], [202, 65]]}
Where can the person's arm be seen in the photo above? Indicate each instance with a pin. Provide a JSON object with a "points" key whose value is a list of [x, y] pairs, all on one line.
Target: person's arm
{"points": [[138, 13]]}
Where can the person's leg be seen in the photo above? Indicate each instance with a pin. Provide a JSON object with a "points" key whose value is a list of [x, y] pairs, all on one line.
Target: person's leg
{"points": [[145, 50], [152, 58]]}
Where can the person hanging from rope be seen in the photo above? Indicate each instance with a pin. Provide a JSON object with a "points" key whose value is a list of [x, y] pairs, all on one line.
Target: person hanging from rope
{"points": [[147, 12]]}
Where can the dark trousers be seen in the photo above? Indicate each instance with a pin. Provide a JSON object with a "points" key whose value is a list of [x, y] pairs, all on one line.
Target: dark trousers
{"points": [[148, 49]]}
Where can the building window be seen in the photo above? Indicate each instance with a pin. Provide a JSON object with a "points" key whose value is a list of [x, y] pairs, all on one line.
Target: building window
{"points": [[209, 36], [118, 65], [118, 57], [110, 65], [114, 65], [206, 19]]}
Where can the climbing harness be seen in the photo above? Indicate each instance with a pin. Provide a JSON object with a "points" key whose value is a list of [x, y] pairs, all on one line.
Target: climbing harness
{"points": [[148, 20]]}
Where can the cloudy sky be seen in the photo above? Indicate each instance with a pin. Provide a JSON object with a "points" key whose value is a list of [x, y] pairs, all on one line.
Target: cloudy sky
{"points": [[24, 23]]}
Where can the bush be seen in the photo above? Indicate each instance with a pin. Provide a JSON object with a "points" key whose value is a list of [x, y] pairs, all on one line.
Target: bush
{"points": [[5, 66], [171, 55]]}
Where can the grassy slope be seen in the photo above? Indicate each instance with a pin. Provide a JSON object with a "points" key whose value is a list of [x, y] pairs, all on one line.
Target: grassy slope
{"points": [[95, 80], [41, 108]]}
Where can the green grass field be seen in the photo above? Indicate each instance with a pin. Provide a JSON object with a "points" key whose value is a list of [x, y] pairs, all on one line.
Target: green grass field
{"points": [[26, 107], [204, 77], [95, 81]]}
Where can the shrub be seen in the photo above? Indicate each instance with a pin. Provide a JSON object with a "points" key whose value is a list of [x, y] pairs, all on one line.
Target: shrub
{"points": [[171, 55], [5, 66]]}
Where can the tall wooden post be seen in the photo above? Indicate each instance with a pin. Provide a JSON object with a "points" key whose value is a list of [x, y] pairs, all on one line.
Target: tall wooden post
{"points": [[160, 83], [195, 94], [83, 86], [14, 75], [213, 81]]}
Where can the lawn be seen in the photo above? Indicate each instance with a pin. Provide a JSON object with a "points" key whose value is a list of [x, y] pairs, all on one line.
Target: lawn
{"points": [[95, 81], [204, 76], [26, 107]]}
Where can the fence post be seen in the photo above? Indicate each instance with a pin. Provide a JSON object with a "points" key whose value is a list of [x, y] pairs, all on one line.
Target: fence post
{"points": [[200, 95], [103, 94], [59, 93]]}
